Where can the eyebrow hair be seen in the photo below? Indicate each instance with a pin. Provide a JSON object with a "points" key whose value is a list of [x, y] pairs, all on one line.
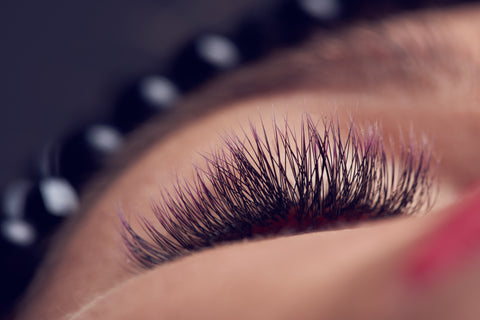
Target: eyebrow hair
{"points": [[412, 55]]}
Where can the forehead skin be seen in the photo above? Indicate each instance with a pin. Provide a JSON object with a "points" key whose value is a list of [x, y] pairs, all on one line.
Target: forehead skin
{"points": [[416, 71]]}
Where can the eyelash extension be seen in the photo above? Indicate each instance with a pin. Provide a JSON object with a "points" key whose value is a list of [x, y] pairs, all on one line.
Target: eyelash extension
{"points": [[298, 181]]}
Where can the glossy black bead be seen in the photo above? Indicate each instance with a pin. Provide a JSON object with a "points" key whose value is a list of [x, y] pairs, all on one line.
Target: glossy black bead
{"points": [[16, 235], [374, 9], [18, 239], [19, 261], [16, 232], [321, 10], [49, 202], [296, 18], [202, 58], [256, 36], [13, 198], [81, 154], [146, 97]]}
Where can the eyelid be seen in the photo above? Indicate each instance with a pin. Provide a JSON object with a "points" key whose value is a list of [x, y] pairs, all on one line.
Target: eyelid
{"points": [[290, 182], [236, 269]]}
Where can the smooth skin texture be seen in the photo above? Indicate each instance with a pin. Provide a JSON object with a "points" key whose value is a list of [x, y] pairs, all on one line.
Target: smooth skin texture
{"points": [[344, 274]]}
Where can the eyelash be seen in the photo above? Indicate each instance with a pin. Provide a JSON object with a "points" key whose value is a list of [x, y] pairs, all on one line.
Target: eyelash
{"points": [[296, 182]]}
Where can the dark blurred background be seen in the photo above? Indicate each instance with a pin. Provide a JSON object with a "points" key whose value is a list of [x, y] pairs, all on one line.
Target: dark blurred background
{"points": [[61, 61]]}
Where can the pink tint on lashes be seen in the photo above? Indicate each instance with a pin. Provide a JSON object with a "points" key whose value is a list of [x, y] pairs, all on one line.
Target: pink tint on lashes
{"points": [[283, 182], [447, 248], [291, 222]]}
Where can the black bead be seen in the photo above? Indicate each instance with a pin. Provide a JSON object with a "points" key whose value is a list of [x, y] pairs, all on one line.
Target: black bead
{"points": [[374, 9], [19, 260], [296, 18], [29, 213], [321, 10], [256, 36], [48, 203], [81, 154], [202, 58], [18, 240], [16, 234], [146, 97], [13, 198]]}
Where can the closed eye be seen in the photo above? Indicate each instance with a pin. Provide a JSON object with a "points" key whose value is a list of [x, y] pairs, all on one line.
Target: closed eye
{"points": [[295, 181]]}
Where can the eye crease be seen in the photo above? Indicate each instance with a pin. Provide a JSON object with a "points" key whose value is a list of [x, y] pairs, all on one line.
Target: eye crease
{"points": [[307, 180]]}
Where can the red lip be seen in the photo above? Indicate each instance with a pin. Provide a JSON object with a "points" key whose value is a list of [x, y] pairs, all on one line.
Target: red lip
{"points": [[453, 242]]}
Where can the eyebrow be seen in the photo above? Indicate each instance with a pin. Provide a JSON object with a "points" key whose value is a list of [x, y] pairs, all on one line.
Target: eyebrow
{"points": [[345, 59]]}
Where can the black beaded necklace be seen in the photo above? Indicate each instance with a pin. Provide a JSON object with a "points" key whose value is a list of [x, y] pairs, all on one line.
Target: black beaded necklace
{"points": [[32, 210]]}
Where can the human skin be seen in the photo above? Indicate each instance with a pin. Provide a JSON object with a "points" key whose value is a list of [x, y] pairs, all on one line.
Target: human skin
{"points": [[350, 273]]}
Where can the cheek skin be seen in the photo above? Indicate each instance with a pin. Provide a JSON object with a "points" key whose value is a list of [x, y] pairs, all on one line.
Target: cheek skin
{"points": [[91, 261]]}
